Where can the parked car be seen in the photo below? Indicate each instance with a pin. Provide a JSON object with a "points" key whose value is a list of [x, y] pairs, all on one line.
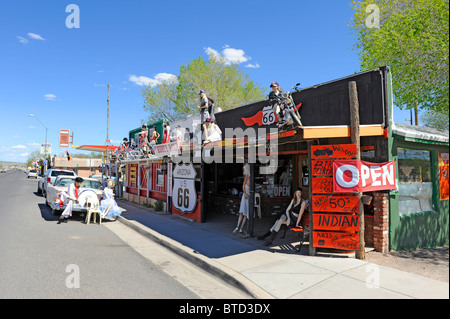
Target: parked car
{"points": [[32, 173], [50, 177], [2, 170], [61, 184]]}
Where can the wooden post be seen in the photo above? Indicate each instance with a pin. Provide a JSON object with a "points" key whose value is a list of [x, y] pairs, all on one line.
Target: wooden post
{"points": [[312, 249], [355, 136], [251, 201]]}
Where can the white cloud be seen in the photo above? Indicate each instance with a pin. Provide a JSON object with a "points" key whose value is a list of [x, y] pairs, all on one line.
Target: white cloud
{"points": [[211, 51], [234, 55], [230, 55], [35, 36], [24, 154], [158, 79], [22, 40], [253, 66], [19, 147], [50, 97]]}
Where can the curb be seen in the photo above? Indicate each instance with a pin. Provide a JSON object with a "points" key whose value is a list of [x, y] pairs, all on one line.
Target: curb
{"points": [[229, 276]]}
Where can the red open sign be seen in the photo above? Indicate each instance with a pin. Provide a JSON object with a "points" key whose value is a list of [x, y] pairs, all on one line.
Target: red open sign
{"points": [[360, 176]]}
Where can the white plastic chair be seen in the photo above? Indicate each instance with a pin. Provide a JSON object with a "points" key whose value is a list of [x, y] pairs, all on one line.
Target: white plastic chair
{"points": [[93, 208]]}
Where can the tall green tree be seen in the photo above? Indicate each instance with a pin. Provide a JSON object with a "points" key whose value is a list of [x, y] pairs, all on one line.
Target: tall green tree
{"points": [[224, 82], [412, 38]]}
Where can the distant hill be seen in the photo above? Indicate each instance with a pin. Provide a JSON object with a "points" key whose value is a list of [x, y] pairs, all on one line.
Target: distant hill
{"points": [[9, 164]]}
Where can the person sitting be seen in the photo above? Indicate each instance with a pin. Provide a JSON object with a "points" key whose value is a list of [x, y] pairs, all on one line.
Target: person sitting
{"points": [[213, 133], [276, 92], [291, 217], [133, 145], [275, 96], [108, 204]]}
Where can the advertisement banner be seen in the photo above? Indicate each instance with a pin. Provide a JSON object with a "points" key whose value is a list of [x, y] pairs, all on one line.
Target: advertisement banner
{"points": [[359, 176], [166, 149]]}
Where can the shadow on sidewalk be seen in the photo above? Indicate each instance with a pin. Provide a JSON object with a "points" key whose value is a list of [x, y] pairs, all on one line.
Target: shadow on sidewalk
{"points": [[214, 238]]}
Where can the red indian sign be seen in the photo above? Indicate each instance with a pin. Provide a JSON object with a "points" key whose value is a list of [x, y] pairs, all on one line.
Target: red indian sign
{"points": [[360, 176], [337, 222]]}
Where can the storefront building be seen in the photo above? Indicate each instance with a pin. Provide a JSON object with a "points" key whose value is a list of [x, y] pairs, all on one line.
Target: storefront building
{"points": [[391, 220]]}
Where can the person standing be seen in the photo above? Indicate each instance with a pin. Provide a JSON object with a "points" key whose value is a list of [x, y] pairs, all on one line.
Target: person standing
{"points": [[155, 136], [143, 139], [203, 107], [73, 192], [244, 207], [166, 135], [206, 108]]}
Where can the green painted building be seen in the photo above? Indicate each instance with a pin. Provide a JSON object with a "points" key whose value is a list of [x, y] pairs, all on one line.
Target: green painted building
{"points": [[419, 208]]}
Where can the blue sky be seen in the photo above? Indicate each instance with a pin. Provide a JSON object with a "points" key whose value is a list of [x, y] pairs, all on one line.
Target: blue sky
{"points": [[60, 74]]}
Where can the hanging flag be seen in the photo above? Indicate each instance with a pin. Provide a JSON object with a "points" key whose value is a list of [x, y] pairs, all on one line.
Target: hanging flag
{"points": [[68, 156]]}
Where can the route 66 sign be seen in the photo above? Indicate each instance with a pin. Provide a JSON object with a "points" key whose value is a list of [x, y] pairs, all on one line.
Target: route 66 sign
{"points": [[268, 115], [184, 195]]}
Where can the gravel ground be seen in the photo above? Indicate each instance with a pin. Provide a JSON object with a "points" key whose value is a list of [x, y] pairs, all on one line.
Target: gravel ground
{"points": [[428, 262]]}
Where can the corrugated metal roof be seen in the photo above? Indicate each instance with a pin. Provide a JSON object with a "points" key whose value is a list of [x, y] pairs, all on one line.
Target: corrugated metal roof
{"points": [[420, 132]]}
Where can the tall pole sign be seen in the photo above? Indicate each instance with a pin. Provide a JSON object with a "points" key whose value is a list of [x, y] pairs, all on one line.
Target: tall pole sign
{"points": [[64, 138]]}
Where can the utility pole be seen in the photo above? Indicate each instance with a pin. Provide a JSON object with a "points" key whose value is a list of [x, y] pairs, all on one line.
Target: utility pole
{"points": [[416, 113], [107, 127], [355, 136]]}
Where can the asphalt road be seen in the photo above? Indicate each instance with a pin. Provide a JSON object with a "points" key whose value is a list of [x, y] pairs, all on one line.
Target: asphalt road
{"points": [[41, 258]]}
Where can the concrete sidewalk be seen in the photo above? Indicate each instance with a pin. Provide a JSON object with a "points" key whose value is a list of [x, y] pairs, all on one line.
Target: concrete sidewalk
{"points": [[278, 271]]}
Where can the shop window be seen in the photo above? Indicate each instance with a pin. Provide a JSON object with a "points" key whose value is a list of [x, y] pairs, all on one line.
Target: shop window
{"points": [[279, 184], [415, 186]]}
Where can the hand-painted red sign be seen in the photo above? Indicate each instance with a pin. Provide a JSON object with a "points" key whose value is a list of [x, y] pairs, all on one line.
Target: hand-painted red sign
{"points": [[338, 222], [335, 204], [342, 151], [337, 240], [264, 117], [322, 185], [322, 167], [360, 176]]}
